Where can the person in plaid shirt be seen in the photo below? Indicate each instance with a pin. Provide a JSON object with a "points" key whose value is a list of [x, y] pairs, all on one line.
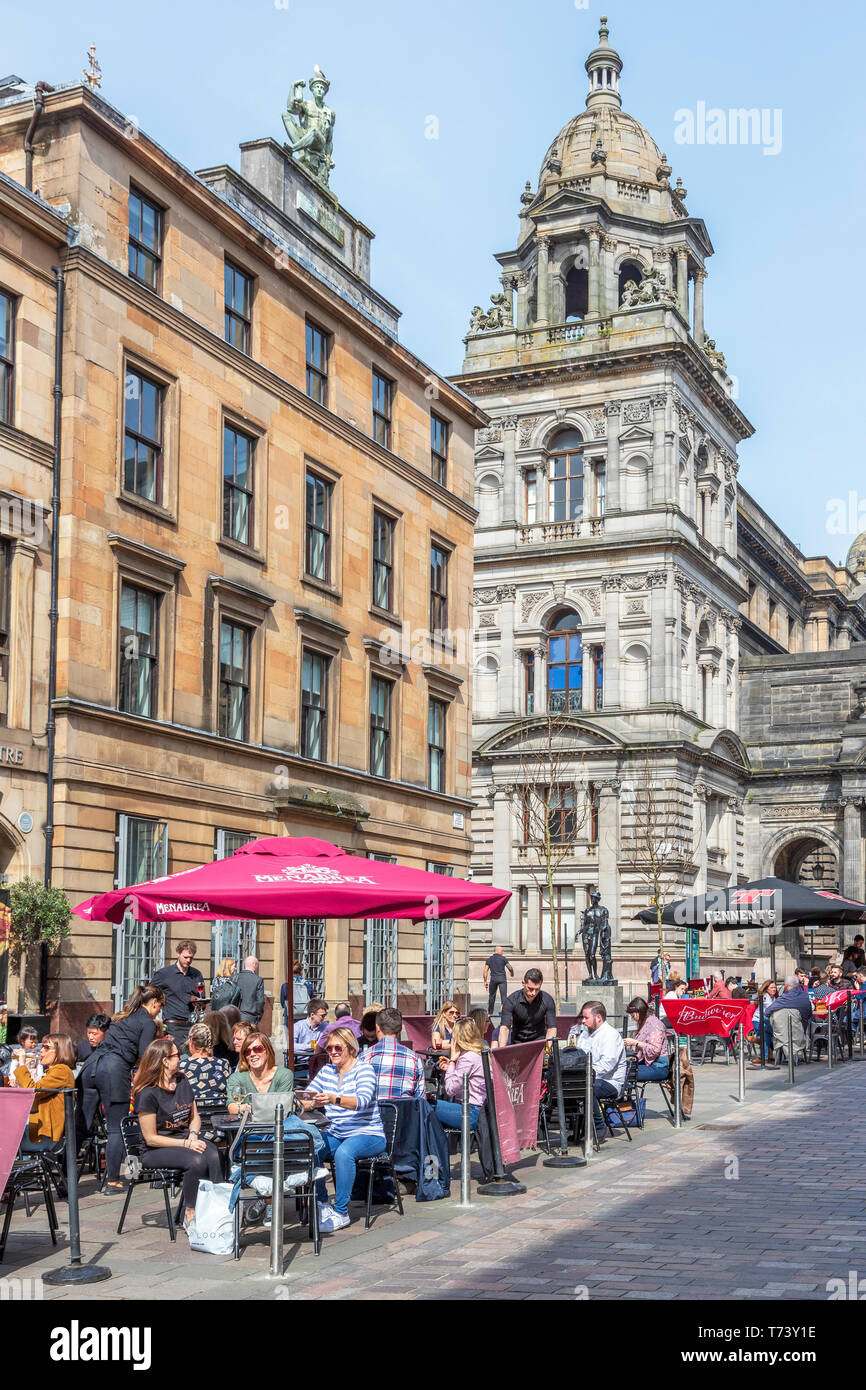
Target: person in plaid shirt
{"points": [[399, 1072]]}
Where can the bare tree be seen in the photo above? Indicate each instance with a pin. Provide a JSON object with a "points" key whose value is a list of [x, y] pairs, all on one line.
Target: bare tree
{"points": [[550, 802], [656, 840]]}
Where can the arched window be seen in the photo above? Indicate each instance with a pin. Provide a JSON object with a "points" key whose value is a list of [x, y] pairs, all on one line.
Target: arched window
{"points": [[565, 476], [564, 665], [629, 270], [576, 293], [486, 688]]}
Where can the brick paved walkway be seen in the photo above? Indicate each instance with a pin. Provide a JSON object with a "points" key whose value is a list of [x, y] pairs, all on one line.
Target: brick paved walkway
{"points": [[765, 1192]]}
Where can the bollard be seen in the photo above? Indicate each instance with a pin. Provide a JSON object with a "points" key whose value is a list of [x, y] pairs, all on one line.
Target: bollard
{"points": [[75, 1272], [276, 1269], [790, 1049], [850, 1027], [741, 1066], [678, 1099], [860, 1020], [829, 1038], [588, 1109], [465, 1146], [563, 1159], [761, 1034], [500, 1185]]}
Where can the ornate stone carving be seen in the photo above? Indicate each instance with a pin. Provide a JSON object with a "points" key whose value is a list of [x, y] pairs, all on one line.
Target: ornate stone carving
{"points": [[492, 434], [559, 591], [597, 419], [661, 255], [801, 811], [483, 596], [599, 154], [310, 127], [608, 243], [593, 598], [527, 196], [653, 289], [612, 408], [635, 606], [506, 592], [656, 579], [659, 402], [487, 620], [498, 315], [614, 582], [525, 426], [528, 601], [635, 412], [509, 422], [715, 358]]}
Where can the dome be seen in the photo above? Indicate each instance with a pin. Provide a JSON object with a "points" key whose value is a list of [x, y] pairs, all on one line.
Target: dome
{"points": [[856, 561]]}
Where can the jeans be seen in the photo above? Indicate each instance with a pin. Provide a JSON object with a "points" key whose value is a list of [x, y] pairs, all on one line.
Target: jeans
{"points": [[344, 1153], [195, 1166], [496, 987], [604, 1090], [450, 1112], [768, 1036], [653, 1071]]}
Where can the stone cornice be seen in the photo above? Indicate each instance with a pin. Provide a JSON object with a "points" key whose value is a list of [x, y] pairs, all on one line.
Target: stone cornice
{"points": [[27, 445], [24, 207], [84, 261]]}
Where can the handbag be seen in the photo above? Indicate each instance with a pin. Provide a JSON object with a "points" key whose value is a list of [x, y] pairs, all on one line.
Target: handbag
{"points": [[212, 1228]]}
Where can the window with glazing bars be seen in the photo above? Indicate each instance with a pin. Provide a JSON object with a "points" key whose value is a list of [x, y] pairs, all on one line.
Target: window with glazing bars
{"points": [[317, 345], [233, 938], [142, 437], [318, 528], [234, 695], [139, 647], [5, 562], [139, 947], [438, 589], [383, 393], [7, 357], [380, 727], [238, 454], [314, 706], [238, 307], [383, 561], [145, 239], [437, 715], [438, 954], [308, 947], [439, 432]]}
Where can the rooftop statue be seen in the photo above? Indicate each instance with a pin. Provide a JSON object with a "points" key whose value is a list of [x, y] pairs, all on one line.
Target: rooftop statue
{"points": [[310, 127], [716, 358], [653, 289]]}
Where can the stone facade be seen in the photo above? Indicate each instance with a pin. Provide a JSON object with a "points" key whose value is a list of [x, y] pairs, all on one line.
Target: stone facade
{"points": [[137, 793]]}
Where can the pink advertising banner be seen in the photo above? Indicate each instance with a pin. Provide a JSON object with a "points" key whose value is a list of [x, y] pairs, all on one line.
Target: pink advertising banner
{"points": [[14, 1111], [419, 1030], [516, 1075]]}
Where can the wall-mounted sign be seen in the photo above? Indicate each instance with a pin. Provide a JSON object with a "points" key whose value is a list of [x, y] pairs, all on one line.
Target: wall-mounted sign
{"points": [[11, 755], [25, 822]]}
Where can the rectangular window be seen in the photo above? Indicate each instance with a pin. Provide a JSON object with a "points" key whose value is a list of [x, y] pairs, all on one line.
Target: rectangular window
{"points": [[380, 980], [531, 496], [317, 351], [234, 697], [142, 437], [523, 927], [598, 677], [600, 488], [562, 815], [529, 682], [7, 354], [138, 655], [439, 435], [233, 939], [308, 947], [526, 807], [438, 954], [383, 561], [593, 801], [438, 589], [380, 727], [145, 239], [314, 706], [238, 307], [437, 715], [5, 577], [238, 451], [565, 487], [383, 394], [317, 560], [139, 947], [563, 913]]}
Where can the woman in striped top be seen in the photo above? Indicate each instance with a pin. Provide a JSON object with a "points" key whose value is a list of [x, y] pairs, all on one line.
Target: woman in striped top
{"points": [[345, 1088]]}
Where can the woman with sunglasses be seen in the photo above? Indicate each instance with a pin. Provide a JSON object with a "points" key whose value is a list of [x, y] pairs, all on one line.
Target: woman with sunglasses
{"points": [[57, 1058], [170, 1123], [258, 1071], [346, 1089], [443, 1024]]}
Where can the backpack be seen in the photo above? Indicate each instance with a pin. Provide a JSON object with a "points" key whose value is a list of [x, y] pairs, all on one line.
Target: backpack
{"points": [[300, 998], [224, 991]]}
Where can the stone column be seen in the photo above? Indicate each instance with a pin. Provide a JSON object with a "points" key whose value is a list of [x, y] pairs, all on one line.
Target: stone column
{"points": [[586, 677], [21, 631], [693, 651], [683, 281], [852, 847], [699, 794], [722, 682], [612, 588], [609, 851], [507, 654], [594, 306], [608, 293], [698, 308], [672, 646], [656, 584], [613, 496], [509, 472], [543, 292], [541, 679], [522, 282], [504, 930], [659, 409], [735, 810]]}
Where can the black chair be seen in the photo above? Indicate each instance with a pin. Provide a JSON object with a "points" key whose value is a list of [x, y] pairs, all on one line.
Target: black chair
{"points": [[254, 1152], [163, 1177], [92, 1153], [29, 1174], [383, 1162], [819, 1031], [627, 1103], [574, 1103]]}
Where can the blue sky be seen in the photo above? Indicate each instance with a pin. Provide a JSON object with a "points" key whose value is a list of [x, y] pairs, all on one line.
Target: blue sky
{"points": [[785, 293]]}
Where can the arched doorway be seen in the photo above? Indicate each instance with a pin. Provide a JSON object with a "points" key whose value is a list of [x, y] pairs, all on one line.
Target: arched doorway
{"points": [[808, 860]]}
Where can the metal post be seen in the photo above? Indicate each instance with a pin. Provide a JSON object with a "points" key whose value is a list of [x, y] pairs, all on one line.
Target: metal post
{"points": [[761, 1034], [678, 1100], [790, 1049], [741, 1065], [829, 1038], [563, 1159], [588, 1109], [75, 1272], [850, 1026], [862, 998], [276, 1269], [499, 1185], [465, 1145]]}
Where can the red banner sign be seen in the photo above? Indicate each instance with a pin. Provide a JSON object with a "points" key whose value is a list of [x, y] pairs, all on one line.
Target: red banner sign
{"points": [[516, 1075], [15, 1106], [718, 1017], [419, 1030], [565, 1023]]}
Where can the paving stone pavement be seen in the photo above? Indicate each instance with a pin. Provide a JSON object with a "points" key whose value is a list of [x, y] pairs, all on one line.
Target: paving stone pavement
{"points": [[745, 1202]]}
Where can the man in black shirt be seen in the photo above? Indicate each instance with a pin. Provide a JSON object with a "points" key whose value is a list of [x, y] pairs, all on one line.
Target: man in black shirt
{"points": [[494, 977], [529, 1013], [97, 1027], [180, 983]]}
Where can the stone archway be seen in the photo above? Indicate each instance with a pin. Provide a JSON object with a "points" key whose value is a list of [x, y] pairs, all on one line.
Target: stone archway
{"points": [[809, 859]]}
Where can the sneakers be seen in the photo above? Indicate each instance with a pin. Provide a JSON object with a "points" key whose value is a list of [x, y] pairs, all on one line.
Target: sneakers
{"points": [[331, 1220]]}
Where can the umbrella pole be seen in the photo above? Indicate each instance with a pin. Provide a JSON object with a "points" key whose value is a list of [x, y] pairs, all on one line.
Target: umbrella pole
{"points": [[290, 973]]}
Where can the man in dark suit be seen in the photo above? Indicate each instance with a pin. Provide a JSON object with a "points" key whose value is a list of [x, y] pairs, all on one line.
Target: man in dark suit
{"points": [[251, 995]]}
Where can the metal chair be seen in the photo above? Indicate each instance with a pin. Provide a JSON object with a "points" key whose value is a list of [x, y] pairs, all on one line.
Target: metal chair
{"points": [[254, 1153], [29, 1174], [92, 1152], [627, 1103], [382, 1162], [574, 1104], [163, 1177]]}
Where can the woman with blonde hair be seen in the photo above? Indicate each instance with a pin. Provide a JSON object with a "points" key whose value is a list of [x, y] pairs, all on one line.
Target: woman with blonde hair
{"points": [[169, 1120], [224, 987], [346, 1089], [467, 1046], [57, 1057], [443, 1024], [206, 1073]]}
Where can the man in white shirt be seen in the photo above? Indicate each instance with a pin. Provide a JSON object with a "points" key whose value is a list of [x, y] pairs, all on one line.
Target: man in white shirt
{"points": [[607, 1050]]}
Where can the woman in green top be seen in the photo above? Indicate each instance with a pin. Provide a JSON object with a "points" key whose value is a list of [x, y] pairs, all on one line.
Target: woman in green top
{"points": [[257, 1071]]}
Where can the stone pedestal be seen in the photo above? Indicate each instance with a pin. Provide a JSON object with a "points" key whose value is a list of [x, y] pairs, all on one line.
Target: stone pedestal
{"points": [[612, 996]]}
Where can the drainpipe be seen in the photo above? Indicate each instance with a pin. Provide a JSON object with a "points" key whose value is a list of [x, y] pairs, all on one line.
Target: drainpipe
{"points": [[52, 613], [38, 108]]}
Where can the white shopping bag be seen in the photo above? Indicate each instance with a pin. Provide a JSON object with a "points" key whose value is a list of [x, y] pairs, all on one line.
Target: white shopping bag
{"points": [[212, 1227]]}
